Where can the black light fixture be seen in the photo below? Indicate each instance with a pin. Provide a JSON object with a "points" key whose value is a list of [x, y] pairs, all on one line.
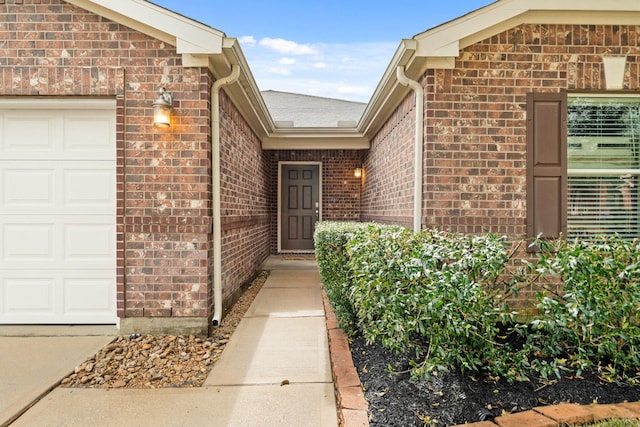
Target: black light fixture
{"points": [[162, 107]]}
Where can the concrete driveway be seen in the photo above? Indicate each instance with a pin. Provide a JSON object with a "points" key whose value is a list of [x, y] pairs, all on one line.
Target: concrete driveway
{"points": [[33, 360]]}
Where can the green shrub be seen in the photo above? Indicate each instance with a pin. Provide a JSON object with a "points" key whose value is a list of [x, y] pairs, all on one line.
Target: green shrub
{"points": [[432, 284], [594, 320], [330, 241], [441, 295]]}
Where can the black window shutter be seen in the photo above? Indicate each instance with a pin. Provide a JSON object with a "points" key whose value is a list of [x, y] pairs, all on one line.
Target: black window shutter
{"points": [[547, 165]]}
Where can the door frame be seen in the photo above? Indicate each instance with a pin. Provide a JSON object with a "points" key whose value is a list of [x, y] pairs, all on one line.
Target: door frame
{"points": [[279, 237]]}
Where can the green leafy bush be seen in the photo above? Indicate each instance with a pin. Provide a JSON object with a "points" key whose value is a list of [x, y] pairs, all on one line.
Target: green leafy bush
{"points": [[431, 284], [330, 241], [441, 296], [595, 319]]}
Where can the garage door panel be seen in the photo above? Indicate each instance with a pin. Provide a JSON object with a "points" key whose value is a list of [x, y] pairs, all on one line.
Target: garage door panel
{"points": [[90, 133], [27, 188], [27, 296], [30, 132], [60, 241], [33, 134], [89, 242], [92, 188], [62, 188], [57, 297], [89, 295], [25, 242]]}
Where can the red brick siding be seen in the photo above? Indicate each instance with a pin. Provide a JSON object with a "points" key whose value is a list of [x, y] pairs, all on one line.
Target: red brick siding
{"points": [[476, 131], [475, 141], [340, 188], [50, 48], [245, 200], [387, 194]]}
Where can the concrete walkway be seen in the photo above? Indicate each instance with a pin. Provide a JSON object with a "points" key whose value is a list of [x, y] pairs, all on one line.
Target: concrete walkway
{"points": [[275, 371]]}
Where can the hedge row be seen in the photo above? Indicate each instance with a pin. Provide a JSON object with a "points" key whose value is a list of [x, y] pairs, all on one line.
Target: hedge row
{"points": [[442, 296]]}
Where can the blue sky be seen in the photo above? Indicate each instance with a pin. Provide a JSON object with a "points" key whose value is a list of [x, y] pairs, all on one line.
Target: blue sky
{"points": [[331, 48]]}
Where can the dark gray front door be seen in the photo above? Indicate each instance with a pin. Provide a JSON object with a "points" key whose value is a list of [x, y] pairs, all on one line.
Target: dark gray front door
{"points": [[300, 208]]}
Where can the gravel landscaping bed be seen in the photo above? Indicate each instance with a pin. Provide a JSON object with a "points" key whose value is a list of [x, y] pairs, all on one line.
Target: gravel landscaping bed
{"points": [[150, 361]]}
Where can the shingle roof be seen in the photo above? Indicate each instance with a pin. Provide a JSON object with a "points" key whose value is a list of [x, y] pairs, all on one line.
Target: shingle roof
{"points": [[304, 111]]}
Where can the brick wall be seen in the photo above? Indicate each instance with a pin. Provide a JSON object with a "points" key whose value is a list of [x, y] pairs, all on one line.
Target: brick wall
{"points": [[245, 201], [476, 129], [50, 48], [387, 195], [340, 189], [475, 123], [475, 141]]}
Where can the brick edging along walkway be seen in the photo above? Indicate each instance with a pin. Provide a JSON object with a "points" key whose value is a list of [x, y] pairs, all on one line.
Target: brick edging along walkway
{"points": [[353, 408]]}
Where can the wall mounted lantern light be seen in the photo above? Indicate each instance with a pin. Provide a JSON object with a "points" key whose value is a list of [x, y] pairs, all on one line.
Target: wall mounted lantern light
{"points": [[162, 109], [357, 172]]}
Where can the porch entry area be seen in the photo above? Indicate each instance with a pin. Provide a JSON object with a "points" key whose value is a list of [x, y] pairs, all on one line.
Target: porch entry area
{"points": [[299, 205]]}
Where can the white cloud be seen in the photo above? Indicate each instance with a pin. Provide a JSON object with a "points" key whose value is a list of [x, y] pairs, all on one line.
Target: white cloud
{"points": [[247, 41], [344, 71], [287, 46], [279, 71]]}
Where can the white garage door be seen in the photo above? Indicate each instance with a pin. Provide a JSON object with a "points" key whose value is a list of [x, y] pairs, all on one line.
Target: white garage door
{"points": [[57, 211]]}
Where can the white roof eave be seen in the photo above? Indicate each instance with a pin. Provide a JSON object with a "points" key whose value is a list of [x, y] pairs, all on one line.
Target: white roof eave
{"points": [[245, 93], [188, 36], [315, 139], [388, 91], [444, 40], [439, 47], [204, 46]]}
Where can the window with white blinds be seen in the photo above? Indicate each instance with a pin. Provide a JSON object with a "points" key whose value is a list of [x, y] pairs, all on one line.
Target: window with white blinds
{"points": [[603, 166]]}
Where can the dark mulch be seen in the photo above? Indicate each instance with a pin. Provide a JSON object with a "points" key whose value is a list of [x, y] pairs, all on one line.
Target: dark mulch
{"points": [[452, 398]]}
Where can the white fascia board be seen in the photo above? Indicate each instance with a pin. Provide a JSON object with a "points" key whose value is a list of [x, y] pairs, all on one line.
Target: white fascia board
{"points": [[245, 93], [441, 63], [504, 14], [185, 47], [611, 17], [579, 5], [187, 35], [451, 49], [445, 39], [386, 91], [189, 60]]}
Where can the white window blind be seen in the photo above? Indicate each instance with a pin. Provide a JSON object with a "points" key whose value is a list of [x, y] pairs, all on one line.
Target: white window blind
{"points": [[603, 167]]}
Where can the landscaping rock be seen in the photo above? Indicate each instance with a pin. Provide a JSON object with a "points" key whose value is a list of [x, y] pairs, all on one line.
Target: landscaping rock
{"points": [[155, 361]]}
